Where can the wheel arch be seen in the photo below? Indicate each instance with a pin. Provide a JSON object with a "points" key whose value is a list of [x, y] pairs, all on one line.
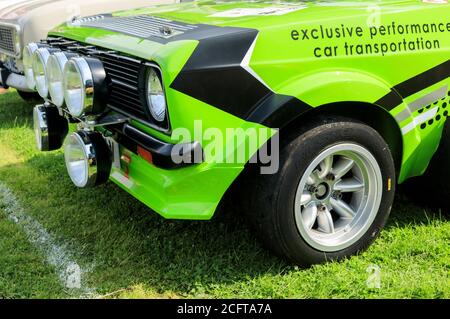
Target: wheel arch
{"points": [[370, 114], [349, 93]]}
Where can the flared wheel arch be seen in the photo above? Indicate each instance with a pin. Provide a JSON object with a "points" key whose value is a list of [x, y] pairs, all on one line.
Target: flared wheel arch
{"points": [[374, 116]]}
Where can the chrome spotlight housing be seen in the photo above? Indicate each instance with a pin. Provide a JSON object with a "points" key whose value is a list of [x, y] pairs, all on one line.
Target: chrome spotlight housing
{"points": [[55, 76], [85, 86], [88, 159], [50, 128], [27, 54], [39, 62]]}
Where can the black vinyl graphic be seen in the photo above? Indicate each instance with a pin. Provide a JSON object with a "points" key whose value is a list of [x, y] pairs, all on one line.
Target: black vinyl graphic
{"points": [[214, 75], [414, 85], [390, 100]]}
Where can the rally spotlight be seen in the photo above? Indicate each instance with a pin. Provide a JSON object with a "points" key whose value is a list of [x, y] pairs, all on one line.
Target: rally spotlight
{"points": [[88, 159], [54, 70], [85, 86], [39, 67], [50, 128], [27, 58]]}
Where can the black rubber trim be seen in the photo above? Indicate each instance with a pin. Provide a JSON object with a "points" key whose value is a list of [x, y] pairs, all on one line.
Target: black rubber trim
{"points": [[414, 85], [162, 151]]}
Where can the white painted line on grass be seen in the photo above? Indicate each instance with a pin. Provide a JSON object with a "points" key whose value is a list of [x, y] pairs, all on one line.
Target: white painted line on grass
{"points": [[70, 273]]}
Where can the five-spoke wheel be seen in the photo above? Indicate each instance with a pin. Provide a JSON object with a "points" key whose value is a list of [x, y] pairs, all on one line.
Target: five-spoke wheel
{"points": [[331, 196], [338, 196]]}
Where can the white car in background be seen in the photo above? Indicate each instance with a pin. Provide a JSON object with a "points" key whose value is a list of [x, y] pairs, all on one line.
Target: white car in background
{"points": [[26, 21]]}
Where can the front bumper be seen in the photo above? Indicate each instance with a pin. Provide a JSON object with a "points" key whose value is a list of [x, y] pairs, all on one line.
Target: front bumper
{"points": [[9, 79], [146, 166], [191, 192], [162, 152]]}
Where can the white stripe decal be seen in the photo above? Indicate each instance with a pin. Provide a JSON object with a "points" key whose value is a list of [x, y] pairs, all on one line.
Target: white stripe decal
{"points": [[70, 273], [421, 102], [419, 120], [245, 64]]}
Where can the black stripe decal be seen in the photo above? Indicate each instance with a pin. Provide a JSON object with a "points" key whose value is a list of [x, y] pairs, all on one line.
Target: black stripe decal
{"points": [[414, 85], [390, 100], [424, 80]]}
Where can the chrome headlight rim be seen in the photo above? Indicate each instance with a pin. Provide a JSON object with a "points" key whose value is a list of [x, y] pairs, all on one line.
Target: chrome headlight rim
{"points": [[55, 76], [80, 177], [95, 163], [40, 60], [86, 94], [93, 86], [27, 56], [159, 116]]}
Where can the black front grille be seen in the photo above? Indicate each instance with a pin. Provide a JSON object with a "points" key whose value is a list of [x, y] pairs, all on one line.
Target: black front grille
{"points": [[126, 74], [125, 92]]}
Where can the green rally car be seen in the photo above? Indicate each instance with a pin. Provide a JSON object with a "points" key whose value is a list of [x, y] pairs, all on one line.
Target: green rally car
{"points": [[316, 109]]}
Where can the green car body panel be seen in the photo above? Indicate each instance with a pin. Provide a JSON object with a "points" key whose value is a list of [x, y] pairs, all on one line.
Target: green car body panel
{"points": [[391, 55]]}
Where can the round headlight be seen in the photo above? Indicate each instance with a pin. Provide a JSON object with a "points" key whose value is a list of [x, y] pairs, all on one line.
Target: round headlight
{"points": [[88, 159], [84, 77], [55, 68], [156, 98], [28, 53], [40, 59]]}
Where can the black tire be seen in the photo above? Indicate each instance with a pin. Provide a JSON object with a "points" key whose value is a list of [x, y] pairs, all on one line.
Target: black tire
{"points": [[436, 194], [270, 206], [30, 97]]}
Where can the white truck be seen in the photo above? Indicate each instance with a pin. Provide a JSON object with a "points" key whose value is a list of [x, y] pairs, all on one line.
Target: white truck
{"points": [[25, 21]]}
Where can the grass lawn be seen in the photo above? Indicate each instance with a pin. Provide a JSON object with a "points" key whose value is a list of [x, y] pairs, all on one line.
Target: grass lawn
{"points": [[131, 252]]}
